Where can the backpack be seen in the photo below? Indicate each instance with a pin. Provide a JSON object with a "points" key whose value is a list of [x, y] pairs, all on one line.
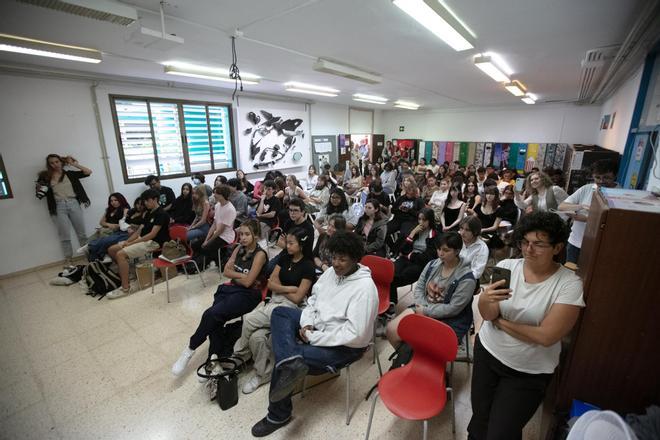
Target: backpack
{"points": [[100, 279]]}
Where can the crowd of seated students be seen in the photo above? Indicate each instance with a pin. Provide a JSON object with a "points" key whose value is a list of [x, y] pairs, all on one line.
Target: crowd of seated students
{"points": [[322, 304]]}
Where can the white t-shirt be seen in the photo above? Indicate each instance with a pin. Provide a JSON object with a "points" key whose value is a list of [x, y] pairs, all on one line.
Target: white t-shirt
{"points": [[477, 255], [580, 197], [529, 304], [225, 215]]}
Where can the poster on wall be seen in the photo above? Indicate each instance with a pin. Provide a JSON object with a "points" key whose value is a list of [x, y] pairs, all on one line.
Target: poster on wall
{"points": [[272, 135]]}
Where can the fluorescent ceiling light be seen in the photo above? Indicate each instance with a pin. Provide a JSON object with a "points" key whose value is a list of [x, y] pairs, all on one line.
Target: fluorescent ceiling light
{"points": [[406, 105], [310, 92], [367, 98], [369, 101], [29, 46], [529, 98], [345, 71], [439, 19], [516, 88], [486, 64], [212, 73], [104, 10], [294, 86]]}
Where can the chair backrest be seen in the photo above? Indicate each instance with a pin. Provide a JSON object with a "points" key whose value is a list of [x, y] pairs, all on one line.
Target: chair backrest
{"points": [[382, 272], [429, 338]]}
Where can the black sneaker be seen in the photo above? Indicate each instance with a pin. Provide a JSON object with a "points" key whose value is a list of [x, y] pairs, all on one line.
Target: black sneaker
{"points": [[265, 427], [288, 375]]}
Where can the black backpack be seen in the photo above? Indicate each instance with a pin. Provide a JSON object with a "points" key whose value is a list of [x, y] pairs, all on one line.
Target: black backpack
{"points": [[100, 279]]}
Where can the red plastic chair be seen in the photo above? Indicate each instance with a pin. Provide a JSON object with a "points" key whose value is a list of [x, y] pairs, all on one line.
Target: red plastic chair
{"points": [[418, 390], [382, 272], [176, 233]]}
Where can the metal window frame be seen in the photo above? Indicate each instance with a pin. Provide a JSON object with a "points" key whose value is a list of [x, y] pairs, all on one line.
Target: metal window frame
{"points": [[182, 129], [10, 193]]}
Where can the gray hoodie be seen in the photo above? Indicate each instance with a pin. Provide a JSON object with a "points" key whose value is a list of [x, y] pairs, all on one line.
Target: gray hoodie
{"points": [[461, 297]]}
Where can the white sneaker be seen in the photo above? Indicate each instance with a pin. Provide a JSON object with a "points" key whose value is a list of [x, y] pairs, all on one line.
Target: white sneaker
{"points": [[118, 293], [106, 259], [253, 383], [82, 250], [182, 362]]}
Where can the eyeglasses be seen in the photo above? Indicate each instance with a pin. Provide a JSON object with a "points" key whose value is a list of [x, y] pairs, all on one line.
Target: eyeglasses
{"points": [[534, 244]]}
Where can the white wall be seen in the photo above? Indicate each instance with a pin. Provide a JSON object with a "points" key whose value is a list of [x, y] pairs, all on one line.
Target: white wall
{"points": [[541, 123], [39, 116], [623, 103]]}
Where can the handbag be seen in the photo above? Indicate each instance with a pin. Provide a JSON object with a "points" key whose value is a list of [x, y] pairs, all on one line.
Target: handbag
{"points": [[173, 249], [222, 374]]}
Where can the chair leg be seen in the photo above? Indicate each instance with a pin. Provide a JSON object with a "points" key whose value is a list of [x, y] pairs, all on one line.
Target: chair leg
{"points": [[302, 391], [371, 414], [348, 395], [167, 283], [450, 391], [426, 429], [153, 280], [185, 270], [468, 356], [200, 273]]}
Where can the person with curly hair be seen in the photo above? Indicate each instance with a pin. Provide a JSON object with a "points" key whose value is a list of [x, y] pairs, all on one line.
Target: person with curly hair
{"points": [[517, 349], [333, 330]]}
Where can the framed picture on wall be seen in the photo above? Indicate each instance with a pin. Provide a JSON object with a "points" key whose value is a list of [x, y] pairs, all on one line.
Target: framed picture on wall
{"points": [[612, 121], [605, 123]]}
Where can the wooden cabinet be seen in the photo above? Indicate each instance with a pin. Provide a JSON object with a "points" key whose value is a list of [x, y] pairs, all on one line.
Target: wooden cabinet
{"points": [[614, 358]]}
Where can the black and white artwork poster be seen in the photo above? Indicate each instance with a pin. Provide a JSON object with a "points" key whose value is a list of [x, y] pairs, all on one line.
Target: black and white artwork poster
{"points": [[273, 136]]}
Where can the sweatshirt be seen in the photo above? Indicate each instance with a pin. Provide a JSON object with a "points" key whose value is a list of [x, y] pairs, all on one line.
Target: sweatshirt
{"points": [[456, 308], [342, 310]]}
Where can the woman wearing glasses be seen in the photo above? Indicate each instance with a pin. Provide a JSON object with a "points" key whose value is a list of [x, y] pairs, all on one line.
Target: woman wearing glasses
{"points": [[518, 346]]}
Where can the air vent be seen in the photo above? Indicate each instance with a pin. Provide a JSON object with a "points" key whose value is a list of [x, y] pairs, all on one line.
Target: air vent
{"points": [[594, 66], [104, 10]]}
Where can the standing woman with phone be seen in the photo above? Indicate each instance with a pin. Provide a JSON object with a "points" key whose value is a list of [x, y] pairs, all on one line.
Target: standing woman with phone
{"points": [[518, 346], [65, 194]]}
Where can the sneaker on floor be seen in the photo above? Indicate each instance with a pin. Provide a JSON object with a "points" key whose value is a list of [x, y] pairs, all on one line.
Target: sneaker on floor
{"points": [[289, 374], [390, 313], [118, 293], [253, 383], [381, 327], [106, 259], [265, 427], [83, 250], [182, 362]]}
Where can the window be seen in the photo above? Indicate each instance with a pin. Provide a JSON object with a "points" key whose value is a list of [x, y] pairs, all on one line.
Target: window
{"points": [[171, 138], [5, 189]]}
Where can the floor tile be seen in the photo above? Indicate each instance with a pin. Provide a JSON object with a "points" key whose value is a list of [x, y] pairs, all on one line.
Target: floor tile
{"points": [[31, 423]]}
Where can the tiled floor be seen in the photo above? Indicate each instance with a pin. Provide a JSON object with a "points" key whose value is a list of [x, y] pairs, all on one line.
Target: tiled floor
{"points": [[77, 368]]}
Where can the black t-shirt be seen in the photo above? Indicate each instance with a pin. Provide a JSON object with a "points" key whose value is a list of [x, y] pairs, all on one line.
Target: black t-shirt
{"points": [[271, 205], [167, 196], [307, 225], [158, 217], [408, 207], [487, 220], [115, 216], [291, 274]]}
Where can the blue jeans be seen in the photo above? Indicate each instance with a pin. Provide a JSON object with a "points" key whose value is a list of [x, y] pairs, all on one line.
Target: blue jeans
{"points": [[270, 265], [572, 253], [69, 213], [284, 327], [198, 233], [97, 248]]}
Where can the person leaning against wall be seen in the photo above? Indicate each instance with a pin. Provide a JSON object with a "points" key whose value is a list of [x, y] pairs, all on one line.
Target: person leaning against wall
{"points": [[64, 194]]}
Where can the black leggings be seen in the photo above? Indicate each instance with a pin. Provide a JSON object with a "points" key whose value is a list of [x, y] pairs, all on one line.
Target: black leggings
{"points": [[405, 273], [503, 399], [229, 302]]}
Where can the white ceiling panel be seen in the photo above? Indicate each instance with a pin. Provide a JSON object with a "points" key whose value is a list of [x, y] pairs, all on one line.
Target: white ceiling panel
{"points": [[543, 42]]}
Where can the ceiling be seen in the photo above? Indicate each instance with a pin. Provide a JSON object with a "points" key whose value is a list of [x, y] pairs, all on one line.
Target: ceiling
{"points": [[542, 41]]}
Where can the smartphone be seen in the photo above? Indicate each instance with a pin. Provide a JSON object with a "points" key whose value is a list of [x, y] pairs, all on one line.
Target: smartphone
{"points": [[519, 185], [500, 273]]}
